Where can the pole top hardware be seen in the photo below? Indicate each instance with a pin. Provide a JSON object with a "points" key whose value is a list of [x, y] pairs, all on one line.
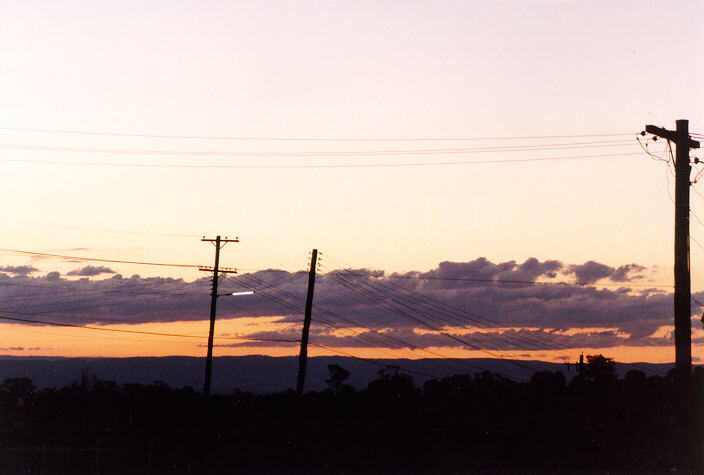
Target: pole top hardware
{"points": [[222, 240], [673, 135], [221, 270]]}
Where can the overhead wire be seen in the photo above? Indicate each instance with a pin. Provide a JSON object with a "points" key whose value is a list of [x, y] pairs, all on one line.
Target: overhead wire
{"points": [[516, 340], [242, 242], [318, 166], [509, 281], [406, 314], [139, 298], [389, 296], [381, 340], [82, 305], [464, 316], [438, 305], [33, 299], [139, 332], [456, 316], [296, 139], [101, 230], [669, 162], [243, 338], [647, 151], [320, 153], [318, 318], [283, 295], [154, 263], [95, 259], [131, 321], [286, 304]]}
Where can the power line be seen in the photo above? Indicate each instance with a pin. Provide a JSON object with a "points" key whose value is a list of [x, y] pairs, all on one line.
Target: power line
{"points": [[86, 327], [500, 281], [319, 153], [440, 308], [320, 166], [444, 308], [405, 314], [52, 286], [108, 230], [380, 342], [81, 294], [144, 233], [297, 139], [697, 193], [534, 342], [138, 298], [457, 315], [95, 259], [401, 312], [645, 149], [382, 346]]}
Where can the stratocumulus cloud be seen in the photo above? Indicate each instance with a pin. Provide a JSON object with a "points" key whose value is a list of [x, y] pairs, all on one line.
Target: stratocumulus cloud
{"points": [[478, 303], [18, 270], [90, 271], [591, 271]]}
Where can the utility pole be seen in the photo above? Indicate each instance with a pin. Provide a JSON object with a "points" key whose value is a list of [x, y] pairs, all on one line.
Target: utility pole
{"points": [[683, 447], [218, 243], [683, 305], [579, 365], [303, 356]]}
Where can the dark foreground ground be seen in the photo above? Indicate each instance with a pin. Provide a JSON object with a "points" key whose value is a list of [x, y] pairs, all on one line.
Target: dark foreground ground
{"points": [[465, 423]]}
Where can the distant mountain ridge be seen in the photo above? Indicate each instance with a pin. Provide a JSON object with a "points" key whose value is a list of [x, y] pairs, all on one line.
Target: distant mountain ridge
{"points": [[264, 374]]}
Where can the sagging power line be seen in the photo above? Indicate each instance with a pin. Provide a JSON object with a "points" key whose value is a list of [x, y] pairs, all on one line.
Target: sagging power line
{"points": [[319, 166], [297, 139]]}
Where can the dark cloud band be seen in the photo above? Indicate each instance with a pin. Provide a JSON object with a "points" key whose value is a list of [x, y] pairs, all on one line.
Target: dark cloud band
{"points": [[381, 308]]}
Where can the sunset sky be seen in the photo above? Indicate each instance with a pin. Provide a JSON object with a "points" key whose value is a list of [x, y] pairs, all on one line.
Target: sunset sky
{"points": [[128, 130]]}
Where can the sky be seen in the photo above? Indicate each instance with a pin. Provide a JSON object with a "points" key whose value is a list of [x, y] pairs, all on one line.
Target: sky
{"points": [[164, 101]]}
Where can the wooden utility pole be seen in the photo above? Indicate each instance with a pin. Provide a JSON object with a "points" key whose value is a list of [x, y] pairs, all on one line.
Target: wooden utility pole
{"points": [[303, 356], [219, 243], [683, 305], [579, 365]]}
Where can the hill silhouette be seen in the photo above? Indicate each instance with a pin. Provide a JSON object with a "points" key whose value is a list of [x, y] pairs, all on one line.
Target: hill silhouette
{"points": [[262, 374]]}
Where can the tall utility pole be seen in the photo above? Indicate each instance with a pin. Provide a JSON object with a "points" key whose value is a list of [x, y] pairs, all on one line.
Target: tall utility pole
{"points": [[683, 296], [303, 356], [219, 243]]}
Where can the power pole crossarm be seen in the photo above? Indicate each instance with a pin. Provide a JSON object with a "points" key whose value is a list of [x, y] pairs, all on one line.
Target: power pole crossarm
{"points": [[672, 135]]}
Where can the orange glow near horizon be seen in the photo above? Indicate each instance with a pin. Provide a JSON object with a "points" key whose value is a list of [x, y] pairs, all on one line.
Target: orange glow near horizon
{"points": [[29, 340]]}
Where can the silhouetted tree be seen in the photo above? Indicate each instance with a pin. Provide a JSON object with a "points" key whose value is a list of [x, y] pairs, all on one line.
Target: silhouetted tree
{"points": [[600, 369], [479, 422], [338, 375], [392, 384], [18, 389]]}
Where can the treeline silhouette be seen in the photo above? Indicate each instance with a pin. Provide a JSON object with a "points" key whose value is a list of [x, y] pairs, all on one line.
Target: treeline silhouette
{"points": [[479, 422]]}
